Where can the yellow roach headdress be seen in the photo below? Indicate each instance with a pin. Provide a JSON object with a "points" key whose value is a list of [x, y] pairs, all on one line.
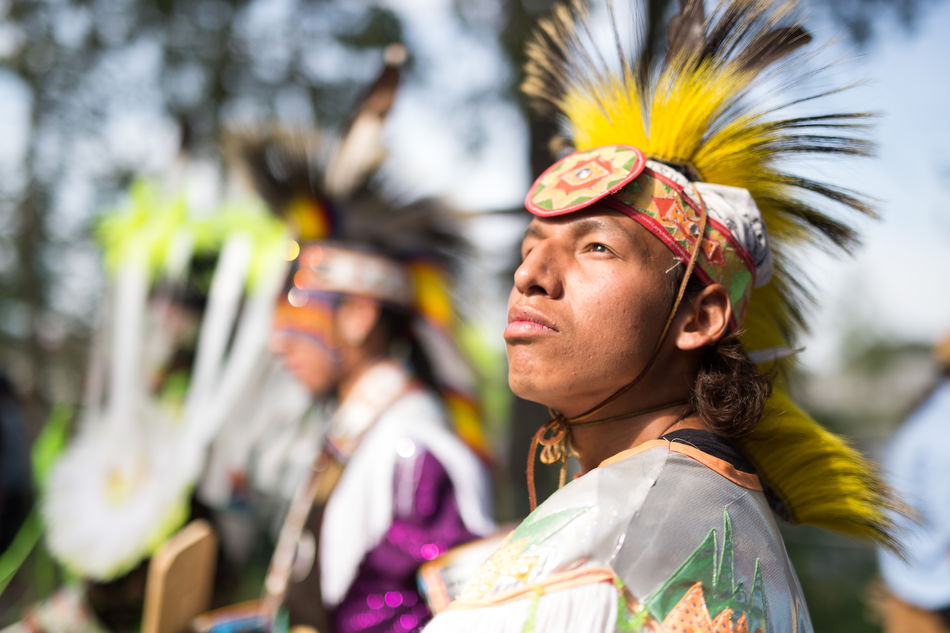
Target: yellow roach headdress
{"points": [[700, 110]]}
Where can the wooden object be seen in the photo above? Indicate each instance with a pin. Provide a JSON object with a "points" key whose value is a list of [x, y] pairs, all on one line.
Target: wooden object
{"points": [[180, 579]]}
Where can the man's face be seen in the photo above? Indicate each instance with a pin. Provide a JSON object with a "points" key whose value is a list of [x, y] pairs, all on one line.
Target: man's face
{"points": [[588, 304], [306, 345], [308, 360]]}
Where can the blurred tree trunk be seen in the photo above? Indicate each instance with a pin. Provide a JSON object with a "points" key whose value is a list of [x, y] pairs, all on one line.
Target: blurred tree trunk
{"points": [[31, 293], [30, 286]]}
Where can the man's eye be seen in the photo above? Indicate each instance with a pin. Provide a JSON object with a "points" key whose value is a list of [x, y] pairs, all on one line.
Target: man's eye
{"points": [[597, 247]]}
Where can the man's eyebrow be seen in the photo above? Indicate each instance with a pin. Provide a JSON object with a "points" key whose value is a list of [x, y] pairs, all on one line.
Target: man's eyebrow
{"points": [[532, 230], [589, 225], [581, 227], [592, 224]]}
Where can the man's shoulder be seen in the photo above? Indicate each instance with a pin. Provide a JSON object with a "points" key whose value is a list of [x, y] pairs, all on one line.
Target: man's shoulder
{"points": [[656, 528], [577, 527], [635, 492]]}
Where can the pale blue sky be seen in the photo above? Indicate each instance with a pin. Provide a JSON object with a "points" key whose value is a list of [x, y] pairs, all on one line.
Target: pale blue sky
{"points": [[897, 285]]}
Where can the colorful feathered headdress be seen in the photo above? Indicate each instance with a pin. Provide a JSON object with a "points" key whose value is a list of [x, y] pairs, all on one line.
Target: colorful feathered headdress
{"points": [[357, 235], [680, 144]]}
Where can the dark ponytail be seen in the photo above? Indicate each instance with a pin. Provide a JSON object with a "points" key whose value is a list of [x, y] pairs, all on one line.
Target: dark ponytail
{"points": [[405, 344], [729, 392]]}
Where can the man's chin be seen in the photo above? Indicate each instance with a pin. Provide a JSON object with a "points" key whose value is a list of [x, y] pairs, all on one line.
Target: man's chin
{"points": [[560, 397], [528, 388], [316, 388]]}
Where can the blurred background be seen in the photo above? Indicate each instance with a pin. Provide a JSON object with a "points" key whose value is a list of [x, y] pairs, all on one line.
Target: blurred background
{"points": [[94, 94]]}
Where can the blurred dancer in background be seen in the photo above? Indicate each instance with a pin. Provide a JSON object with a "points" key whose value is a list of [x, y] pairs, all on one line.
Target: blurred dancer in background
{"points": [[918, 465], [366, 323]]}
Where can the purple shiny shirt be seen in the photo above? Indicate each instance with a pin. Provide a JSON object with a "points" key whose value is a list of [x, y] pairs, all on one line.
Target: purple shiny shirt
{"points": [[384, 596]]}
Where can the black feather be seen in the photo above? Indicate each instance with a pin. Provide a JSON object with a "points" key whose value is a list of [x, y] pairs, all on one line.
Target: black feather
{"points": [[686, 33], [772, 46]]}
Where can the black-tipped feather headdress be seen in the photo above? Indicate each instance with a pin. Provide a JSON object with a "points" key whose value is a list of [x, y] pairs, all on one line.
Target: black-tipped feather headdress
{"points": [[707, 108]]}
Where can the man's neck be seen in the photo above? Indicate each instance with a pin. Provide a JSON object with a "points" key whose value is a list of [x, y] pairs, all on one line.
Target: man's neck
{"points": [[656, 405], [596, 442], [355, 372], [357, 360]]}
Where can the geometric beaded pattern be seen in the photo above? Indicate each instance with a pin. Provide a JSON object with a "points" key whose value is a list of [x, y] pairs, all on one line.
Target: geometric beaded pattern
{"points": [[666, 211], [582, 178]]}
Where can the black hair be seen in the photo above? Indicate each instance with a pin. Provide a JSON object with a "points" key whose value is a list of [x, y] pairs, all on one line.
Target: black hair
{"points": [[729, 391], [404, 344]]}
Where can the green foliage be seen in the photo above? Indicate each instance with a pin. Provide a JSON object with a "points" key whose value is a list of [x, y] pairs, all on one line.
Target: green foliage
{"points": [[46, 449], [23, 543], [378, 28], [50, 443]]}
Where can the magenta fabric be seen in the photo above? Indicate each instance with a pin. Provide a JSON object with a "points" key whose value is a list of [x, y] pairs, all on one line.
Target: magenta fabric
{"points": [[385, 597]]}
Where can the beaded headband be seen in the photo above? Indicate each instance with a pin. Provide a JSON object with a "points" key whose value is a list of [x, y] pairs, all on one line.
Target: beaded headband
{"points": [[328, 267]]}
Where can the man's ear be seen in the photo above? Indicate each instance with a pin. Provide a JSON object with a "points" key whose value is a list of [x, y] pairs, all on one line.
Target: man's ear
{"points": [[704, 319], [355, 319]]}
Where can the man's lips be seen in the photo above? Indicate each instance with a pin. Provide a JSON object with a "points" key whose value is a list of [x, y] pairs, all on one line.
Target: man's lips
{"points": [[525, 322]]}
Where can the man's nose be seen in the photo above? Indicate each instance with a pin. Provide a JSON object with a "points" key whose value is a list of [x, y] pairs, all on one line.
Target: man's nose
{"points": [[539, 273]]}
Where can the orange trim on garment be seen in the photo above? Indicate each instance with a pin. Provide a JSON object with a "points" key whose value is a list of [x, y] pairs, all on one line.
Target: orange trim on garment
{"points": [[636, 450], [721, 466], [431, 571], [436, 590], [556, 582]]}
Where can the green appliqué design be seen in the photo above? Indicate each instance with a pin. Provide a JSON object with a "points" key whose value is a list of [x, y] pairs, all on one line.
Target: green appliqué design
{"points": [[535, 530], [714, 568]]}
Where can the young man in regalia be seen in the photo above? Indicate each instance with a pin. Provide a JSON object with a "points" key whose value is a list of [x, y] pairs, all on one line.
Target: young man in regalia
{"points": [[655, 296]]}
